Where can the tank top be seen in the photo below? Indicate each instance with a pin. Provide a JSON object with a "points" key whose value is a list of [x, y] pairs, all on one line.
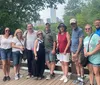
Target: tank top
{"points": [[62, 43]]}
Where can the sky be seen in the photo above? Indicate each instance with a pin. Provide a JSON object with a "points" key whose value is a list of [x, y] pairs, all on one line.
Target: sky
{"points": [[44, 14]]}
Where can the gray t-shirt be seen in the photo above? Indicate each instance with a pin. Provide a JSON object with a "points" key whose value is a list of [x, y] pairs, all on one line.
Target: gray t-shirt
{"points": [[76, 34]]}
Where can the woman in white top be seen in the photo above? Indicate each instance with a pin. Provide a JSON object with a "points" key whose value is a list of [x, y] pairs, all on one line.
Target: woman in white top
{"points": [[5, 41], [17, 51]]}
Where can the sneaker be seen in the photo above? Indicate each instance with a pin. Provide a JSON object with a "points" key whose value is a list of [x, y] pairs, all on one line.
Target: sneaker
{"points": [[62, 78], [80, 83], [16, 77], [35, 78], [75, 81], [20, 75], [39, 78], [80, 79], [28, 76], [48, 77], [8, 78], [4, 78], [65, 79]]}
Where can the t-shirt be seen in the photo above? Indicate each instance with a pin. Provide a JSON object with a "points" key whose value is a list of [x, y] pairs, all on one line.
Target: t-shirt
{"points": [[17, 43], [97, 31], [95, 58], [49, 39], [76, 34], [30, 39], [5, 42]]}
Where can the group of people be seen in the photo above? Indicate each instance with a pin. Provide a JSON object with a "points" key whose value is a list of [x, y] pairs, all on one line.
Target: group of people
{"points": [[41, 46]]}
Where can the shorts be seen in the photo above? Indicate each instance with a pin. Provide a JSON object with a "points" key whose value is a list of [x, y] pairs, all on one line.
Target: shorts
{"points": [[63, 57], [6, 54], [50, 57], [97, 65], [17, 57]]}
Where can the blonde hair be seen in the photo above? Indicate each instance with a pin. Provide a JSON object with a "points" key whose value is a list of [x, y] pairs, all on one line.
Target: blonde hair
{"points": [[38, 32], [18, 30]]}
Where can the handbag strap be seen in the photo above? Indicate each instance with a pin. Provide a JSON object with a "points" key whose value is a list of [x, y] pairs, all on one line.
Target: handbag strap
{"points": [[25, 43], [20, 42], [89, 42]]}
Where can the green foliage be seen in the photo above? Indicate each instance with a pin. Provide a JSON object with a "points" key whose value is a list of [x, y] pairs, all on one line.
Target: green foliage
{"points": [[84, 11], [15, 13]]}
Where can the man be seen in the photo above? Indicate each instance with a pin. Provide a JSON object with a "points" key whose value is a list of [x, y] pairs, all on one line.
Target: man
{"points": [[77, 48], [97, 25], [30, 37], [50, 46]]}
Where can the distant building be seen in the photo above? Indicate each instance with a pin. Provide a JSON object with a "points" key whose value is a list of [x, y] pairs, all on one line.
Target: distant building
{"points": [[53, 15], [39, 23], [48, 20]]}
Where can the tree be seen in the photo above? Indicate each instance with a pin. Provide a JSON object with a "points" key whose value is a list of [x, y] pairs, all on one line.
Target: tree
{"points": [[13, 13]]}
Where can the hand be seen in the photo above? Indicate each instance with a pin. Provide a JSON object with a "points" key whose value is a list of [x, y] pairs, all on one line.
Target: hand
{"points": [[64, 52], [87, 54], [36, 58], [21, 48], [53, 52], [75, 55]]}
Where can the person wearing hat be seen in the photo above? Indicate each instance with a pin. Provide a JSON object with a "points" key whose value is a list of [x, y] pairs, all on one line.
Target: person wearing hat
{"points": [[39, 58], [63, 44], [77, 48]]}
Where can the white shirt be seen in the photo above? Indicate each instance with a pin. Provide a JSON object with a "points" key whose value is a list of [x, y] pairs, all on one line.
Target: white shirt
{"points": [[30, 39], [17, 43], [5, 43]]}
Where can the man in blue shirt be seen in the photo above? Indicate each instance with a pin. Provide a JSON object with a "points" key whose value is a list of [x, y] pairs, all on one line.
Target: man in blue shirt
{"points": [[77, 48], [97, 25]]}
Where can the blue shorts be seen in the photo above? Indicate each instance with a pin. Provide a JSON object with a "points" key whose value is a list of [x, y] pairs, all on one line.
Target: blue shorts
{"points": [[6, 54], [17, 57], [98, 65], [50, 57]]}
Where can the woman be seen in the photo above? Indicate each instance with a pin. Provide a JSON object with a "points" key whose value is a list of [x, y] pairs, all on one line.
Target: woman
{"points": [[93, 54], [17, 50], [6, 39], [63, 44], [39, 52]]}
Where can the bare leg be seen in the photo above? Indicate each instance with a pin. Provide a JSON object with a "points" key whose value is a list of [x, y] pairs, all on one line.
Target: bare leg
{"points": [[66, 68], [77, 68], [62, 65], [52, 67], [4, 66], [90, 73], [8, 67], [97, 74], [48, 64], [16, 69]]}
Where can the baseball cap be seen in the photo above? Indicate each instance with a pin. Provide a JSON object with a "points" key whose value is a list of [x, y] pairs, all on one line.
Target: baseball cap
{"points": [[73, 20]]}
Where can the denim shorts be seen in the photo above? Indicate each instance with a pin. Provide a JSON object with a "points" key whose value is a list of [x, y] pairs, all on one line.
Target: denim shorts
{"points": [[17, 57], [50, 57], [97, 65], [6, 54]]}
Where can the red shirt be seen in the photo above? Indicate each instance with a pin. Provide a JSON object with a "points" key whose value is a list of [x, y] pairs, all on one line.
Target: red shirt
{"points": [[62, 43]]}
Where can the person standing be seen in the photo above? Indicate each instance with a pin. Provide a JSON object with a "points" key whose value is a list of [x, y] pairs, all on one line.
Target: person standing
{"points": [[17, 51], [30, 37], [5, 41], [63, 44], [93, 54], [39, 59], [50, 46], [97, 26], [77, 48]]}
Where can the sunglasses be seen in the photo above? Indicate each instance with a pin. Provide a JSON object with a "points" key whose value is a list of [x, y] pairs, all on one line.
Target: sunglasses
{"points": [[87, 28], [7, 30]]}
